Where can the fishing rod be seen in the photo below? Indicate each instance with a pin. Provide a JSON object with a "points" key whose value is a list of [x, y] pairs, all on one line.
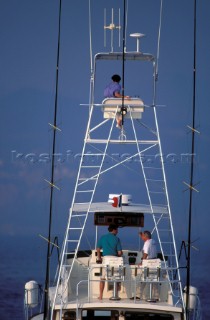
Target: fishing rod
{"points": [[47, 276]]}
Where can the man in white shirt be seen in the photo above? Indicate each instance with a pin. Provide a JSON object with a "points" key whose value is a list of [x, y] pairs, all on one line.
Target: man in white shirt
{"points": [[149, 249]]}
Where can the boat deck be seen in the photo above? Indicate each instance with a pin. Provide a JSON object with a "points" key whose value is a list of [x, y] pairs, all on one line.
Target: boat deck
{"points": [[123, 304]]}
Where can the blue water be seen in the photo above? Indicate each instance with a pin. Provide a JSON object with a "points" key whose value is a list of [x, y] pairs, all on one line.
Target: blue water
{"points": [[23, 259]]}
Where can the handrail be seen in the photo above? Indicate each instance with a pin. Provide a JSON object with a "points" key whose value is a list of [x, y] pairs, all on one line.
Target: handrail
{"points": [[123, 281]]}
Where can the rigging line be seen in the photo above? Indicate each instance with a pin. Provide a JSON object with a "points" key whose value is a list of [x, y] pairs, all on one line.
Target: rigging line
{"points": [[47, 277], [84, 234], [117, 164], [191, 169], [52, 243], [159, 33], [115, 160], [145, 126]]}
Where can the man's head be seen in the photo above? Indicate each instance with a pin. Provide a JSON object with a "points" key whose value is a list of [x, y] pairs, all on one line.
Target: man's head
{"points": [[113, 228], [145, 235], [116, 78]]}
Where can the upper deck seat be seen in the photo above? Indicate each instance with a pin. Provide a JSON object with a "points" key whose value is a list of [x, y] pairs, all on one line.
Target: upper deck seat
{"points": [[135, 107]]}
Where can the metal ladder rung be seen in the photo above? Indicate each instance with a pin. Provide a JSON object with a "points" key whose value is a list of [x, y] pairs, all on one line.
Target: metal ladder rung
{"points": [[157, 192], [90, 167], [83, 179], [72, 240], [155, 180], [75, 228], [82, 191], [93, 154], [166, 216], [152, 168], [79, 215]]}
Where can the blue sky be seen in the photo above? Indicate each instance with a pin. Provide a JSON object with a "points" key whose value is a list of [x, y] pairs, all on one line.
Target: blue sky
{"points": [[28, 35]]}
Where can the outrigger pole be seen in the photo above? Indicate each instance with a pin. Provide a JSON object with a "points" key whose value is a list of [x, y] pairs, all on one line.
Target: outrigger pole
{"points": [[47, 276], [188, 280]]}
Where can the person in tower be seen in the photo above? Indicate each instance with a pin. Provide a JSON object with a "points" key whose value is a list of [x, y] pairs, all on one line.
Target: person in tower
{"points": [[112, 90]]}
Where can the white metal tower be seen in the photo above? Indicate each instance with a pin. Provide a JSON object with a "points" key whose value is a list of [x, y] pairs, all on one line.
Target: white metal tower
{"points": [[135, 149]]}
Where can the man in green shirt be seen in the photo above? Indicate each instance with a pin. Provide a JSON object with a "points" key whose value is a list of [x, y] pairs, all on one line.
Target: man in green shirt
{"points": [[111, 246]]}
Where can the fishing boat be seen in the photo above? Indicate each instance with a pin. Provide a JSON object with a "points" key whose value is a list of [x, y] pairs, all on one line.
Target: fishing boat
{"points": [[121, 180]]}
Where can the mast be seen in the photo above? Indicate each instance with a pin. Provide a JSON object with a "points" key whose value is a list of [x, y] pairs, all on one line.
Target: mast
{"points": [[188, 280], [47, 276]]}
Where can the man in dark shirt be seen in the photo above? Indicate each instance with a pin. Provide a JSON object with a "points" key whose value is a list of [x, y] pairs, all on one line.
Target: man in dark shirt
{"points": [[111, 246]]}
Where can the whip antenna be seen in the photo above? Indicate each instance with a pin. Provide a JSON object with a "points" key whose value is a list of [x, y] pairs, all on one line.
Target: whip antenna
{"points": [[123, 109], [111, 27], [159, 32]]}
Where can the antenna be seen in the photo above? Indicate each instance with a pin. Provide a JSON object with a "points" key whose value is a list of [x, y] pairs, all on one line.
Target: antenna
{"points": [[111, 27], [137, 36], [119, 28]]}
